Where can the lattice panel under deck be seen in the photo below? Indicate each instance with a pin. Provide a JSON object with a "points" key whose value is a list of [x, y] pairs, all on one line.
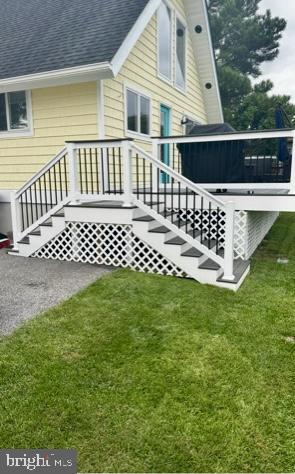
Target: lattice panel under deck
{"points": [[240, 235], [106, 244], [215, 226], [258, 226]]}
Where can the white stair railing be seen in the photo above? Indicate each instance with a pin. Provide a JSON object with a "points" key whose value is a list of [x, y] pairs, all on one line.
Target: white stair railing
{"points": [[43, 194], [164, 194], [120, 170]]}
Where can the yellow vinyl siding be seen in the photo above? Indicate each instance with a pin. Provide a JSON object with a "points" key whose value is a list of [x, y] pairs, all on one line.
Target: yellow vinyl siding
{"points": [[141, 72], [59, 114]]}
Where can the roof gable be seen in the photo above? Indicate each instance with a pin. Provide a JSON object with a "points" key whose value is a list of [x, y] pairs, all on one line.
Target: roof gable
{"points": [[37, 36]]}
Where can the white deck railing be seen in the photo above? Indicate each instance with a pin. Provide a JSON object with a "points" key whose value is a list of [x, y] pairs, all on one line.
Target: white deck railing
{"points": [[120, 170], [248, 160]]}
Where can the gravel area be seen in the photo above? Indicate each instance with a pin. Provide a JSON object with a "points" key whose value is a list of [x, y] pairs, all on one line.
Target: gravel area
{"points": [[30, 286]]}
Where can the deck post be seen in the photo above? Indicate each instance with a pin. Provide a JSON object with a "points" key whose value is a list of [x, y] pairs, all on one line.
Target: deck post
{"points": [[73, 173], [229, 241], [127, 174], [292, 176], [156, 155], [15, 218]]}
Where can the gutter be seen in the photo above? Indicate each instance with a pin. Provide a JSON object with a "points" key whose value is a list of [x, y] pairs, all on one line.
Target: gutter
{"points": [[65, 76]]}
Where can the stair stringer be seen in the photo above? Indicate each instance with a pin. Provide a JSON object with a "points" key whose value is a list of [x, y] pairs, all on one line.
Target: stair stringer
{"points": [[180, 233], [47, 233], [190, 265]]}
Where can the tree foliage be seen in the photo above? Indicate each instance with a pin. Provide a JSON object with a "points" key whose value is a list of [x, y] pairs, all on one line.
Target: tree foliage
{"points": [[244, 39]]}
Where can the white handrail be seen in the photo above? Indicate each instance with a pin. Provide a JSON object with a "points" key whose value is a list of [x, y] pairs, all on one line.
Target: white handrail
{"points": [[227, 262], [41, 172], [174, 174], [224, 137]]}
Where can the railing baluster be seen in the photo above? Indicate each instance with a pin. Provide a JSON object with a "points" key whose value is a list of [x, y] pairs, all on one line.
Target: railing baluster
{"points": [[165, 195], [179, 205], [102, 166], [45, 193], [91, 171], [22, 213], [120, 171], [55, 185], [36, 201], [31, 205], [109, 172], [137, 175], [50, 188], [194, 213], [144, 182], [209, 225], [80, 172], [202, 220], [217, 229], [151, 182], [86, 170], [66, 176], [97, 171], [114, 170], [60, 181]]}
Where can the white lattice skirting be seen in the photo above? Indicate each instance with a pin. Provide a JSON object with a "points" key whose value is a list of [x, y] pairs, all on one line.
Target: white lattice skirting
{"points": [[106, 244], [116, 245], [250, 228]]}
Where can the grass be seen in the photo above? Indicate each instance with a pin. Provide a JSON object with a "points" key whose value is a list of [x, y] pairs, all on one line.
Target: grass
{"points": [[142, 373]]}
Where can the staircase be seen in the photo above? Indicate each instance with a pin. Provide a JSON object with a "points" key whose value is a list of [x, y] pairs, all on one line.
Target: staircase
{"points": [[116, 183]]}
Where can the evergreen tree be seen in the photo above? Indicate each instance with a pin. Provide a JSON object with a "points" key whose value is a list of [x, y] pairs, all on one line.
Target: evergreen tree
{"points": [[243, 40]]}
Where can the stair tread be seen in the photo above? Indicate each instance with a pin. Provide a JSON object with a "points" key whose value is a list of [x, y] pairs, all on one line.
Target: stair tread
{"points": [[47, 223], [209, 265], [175, 241], [59, 214], [192, 252], [35, 232], [160, 230], [240, 266], [25, 240], [145, 218]]}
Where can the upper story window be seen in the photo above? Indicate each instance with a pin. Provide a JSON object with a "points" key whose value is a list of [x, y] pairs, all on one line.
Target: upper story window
{"points": [[14, 112], [180, 54], [165, 41], [138, 112]]}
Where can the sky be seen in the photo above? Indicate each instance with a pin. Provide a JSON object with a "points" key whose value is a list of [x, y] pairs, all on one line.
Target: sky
{"points": [[282, 70]]}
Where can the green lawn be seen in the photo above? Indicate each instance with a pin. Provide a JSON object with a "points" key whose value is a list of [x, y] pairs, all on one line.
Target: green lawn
{"points": [[143, 373]]}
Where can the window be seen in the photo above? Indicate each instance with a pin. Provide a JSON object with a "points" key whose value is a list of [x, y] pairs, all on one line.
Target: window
{"points": [[138, 113], [13, 112], [180, 55], [165, 41]]}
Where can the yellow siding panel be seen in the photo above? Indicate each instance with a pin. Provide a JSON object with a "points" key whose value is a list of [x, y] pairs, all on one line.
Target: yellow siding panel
{"points": [[140, 71], [59, 114]]}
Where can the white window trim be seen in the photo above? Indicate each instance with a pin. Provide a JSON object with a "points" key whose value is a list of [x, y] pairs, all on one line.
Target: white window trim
{"points": [[25, 132], [140, 93], [178, 17], [161, 76]]}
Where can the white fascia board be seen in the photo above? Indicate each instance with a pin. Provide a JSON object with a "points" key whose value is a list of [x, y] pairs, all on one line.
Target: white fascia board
{"points": [[133, 35], [89, 72], [213, 61]]}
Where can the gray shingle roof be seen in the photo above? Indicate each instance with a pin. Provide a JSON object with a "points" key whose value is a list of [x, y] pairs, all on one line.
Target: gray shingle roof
{"points": [[44, 35]]}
